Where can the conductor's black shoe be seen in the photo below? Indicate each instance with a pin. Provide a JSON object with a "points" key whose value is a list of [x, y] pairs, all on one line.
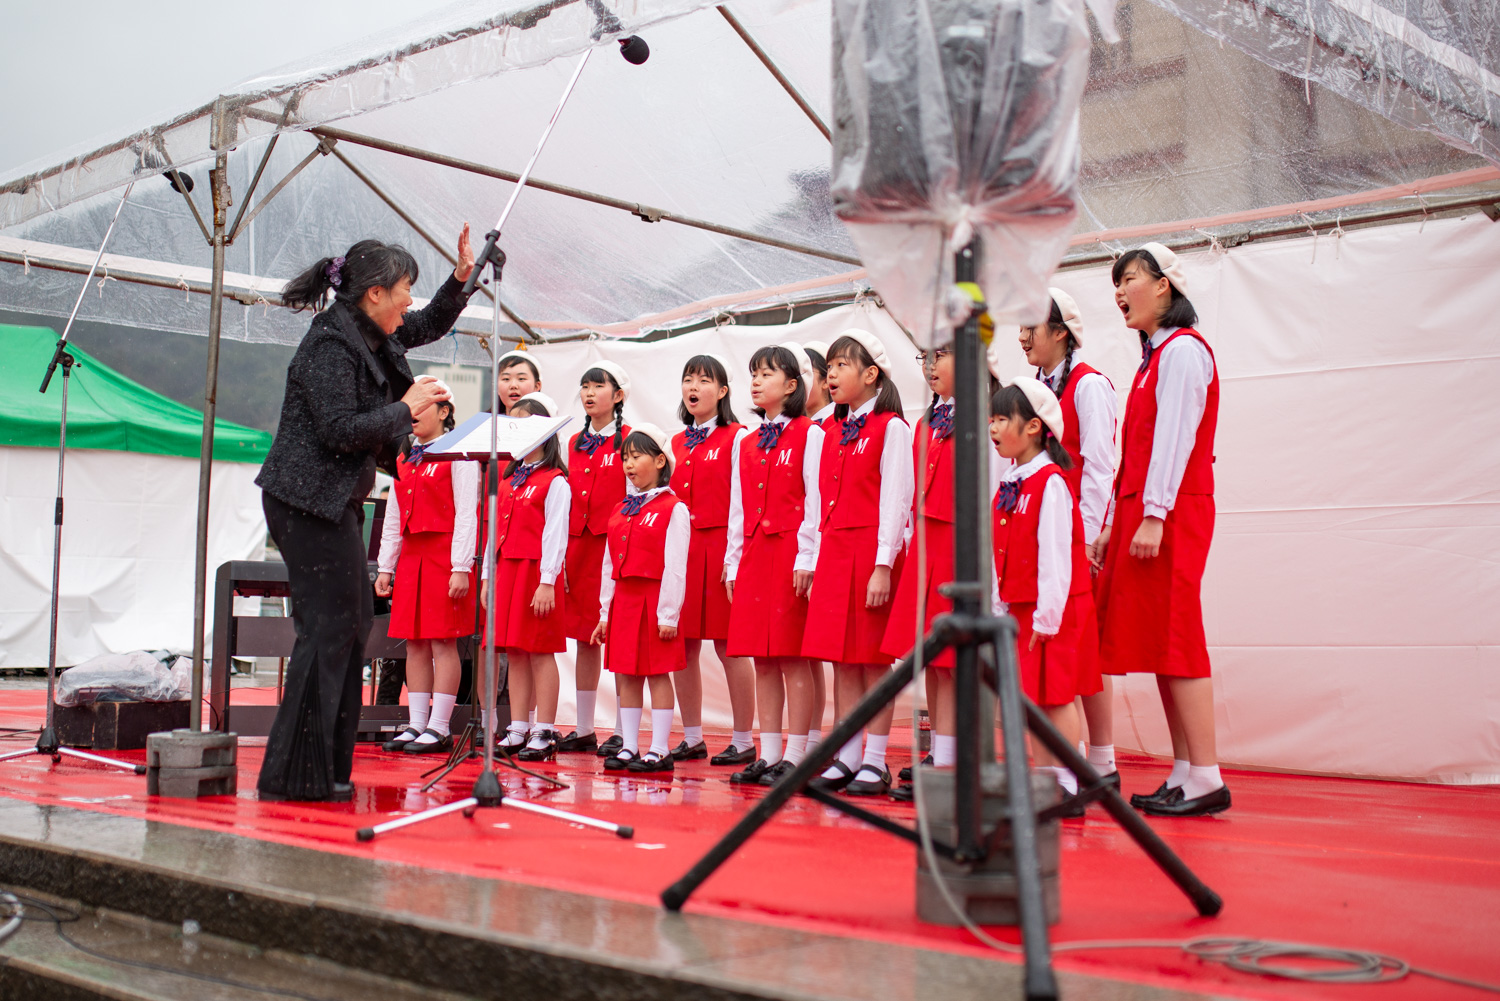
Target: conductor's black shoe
{"points": [[877, 786], [777, 772], [730, 756], [904, 793], [1163, 794], [575, 744], [652, 762], [751, 773], [618, 762], [843, 778], [695, 752], [545, 752], [442, 745], [611, 746], [1199, 806], [403, 737], [343, 792], [905, 774]]}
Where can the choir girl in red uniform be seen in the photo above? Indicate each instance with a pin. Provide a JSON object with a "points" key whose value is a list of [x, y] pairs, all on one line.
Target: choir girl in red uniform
{"points": [[1041, 562], [1162, 521], [703, 456], [772, 552], [519, 375], [598, 482], [426, 554], [531, 523], [865, 490], [1088, 409], [643, 580]]}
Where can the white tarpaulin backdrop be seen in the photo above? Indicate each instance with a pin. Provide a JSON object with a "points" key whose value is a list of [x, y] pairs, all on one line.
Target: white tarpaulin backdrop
{"points": [[127, 552]]}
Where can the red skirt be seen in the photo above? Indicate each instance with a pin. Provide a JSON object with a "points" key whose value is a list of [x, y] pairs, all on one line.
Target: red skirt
{"points": [[768, 619], [516, 626], [901, 631], [840, 628], [632, 644], [583, 569], [420, 606], [1151, 611], [1065, 666], [705, 606]]}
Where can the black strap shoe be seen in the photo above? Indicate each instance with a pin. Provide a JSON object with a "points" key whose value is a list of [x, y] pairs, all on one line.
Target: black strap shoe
{"points": [[611, 746], [510, 742], [730, 756], [546, 751], [905, 774], [1199, 806], [620, 761], [844, 777], [904, 793], [752, 773], [588, 743], [877, 786], [404, 736], [652, 762], [1163, 794], [442, 745], [695, 752], [777, 772]]}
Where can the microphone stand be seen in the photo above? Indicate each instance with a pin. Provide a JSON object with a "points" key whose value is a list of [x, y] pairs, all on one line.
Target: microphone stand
{"points": [[486, 791], [47, 743]]}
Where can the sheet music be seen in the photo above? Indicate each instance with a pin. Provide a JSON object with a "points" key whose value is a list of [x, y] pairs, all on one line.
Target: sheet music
{"points": [[516, 437]]}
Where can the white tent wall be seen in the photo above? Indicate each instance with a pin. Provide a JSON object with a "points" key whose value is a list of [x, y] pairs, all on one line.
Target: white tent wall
{"points": [[1351, 590], [127, 563]]}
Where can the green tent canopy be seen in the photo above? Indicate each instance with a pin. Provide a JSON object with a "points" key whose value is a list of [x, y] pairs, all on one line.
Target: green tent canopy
{"points": [[106, 411]]}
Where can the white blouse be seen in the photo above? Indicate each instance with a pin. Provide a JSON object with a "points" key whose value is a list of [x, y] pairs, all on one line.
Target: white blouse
{"points": [[807, 532], [674, 560], [1095, 401], [465, 522], [1054, 564], [555, 510]]}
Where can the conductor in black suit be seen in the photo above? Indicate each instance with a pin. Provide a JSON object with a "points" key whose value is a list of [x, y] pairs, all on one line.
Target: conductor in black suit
{"points": [[350, 401]]}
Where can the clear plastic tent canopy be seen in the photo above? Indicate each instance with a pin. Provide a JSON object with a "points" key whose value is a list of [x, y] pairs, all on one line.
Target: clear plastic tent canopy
{"points": [[1199, 115]]}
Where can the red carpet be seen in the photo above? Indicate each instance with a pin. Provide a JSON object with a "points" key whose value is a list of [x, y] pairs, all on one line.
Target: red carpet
{"points": [[1408, 870]]}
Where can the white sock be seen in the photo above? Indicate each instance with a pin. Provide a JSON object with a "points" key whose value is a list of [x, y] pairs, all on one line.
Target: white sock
{"points": [[814, 738], [875, 752], [515, 734], [796, 748], [539, 733], [531, 717], [1179, 774], [742, 740], [1201, 780], [1065, 778], [442, 713], [586, 701], [420, 707], [770, 746], [944, 750], [1102, 757], [661, 731], [693, 735], [849, 754], [630, 730]]}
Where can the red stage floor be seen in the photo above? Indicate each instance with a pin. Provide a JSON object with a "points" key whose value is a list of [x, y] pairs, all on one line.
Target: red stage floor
{"points": [[1408, 870]]}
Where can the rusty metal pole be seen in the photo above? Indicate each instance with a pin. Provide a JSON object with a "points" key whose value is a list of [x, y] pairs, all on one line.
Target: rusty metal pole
{"points": [[219, 182]]}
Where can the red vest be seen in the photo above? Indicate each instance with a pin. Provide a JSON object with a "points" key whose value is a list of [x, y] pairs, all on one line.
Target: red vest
{"points": [[1016, 544], [849, 478], [638, 545], [424, 495], [521, 514], [1072, 439], [701, 476], [1140, 429], [935, 482], [598, 483], [771, 487]]}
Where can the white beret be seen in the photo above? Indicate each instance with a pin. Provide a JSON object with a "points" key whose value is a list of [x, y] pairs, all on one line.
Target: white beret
{"points": [[546, 401], [1171, 267], [1072, 318], [662, 439], [728, 369], [616, 372], [525, 356], [820, 347], [1043, 401], [873, 346], [804, 363], [438, 382]]}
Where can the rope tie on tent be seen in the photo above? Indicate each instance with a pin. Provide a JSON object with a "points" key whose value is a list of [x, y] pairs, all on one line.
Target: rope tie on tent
{"points": [[1312, 36], [1338, 234], [106, 278], [723, 320], [25, 263], [1314, 231], [262, 302], [186, 290], [1422, 202], [1214, 246]]}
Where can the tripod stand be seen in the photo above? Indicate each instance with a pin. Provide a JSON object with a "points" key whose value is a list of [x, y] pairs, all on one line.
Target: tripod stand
{"points": [[969, 631]]}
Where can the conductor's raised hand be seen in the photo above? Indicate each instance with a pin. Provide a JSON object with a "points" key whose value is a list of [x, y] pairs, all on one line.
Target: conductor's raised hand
{"points": [[465, 256], [383, 585], [424, 393]]}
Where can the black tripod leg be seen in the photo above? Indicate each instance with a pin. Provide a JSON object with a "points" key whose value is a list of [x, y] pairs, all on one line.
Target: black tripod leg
{"points": [[1204, 899], [674, 896]]}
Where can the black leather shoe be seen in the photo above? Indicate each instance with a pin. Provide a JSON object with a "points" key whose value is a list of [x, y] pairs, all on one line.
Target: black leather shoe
{"points": [[905, 774], [1200, 806], [729, 756], [698, 751], [1074, 810], [649, 762], [844, 777], [574, 744], [1163, 794], [546, 752], [904, 793], [442, 745], [878, 786], [397, 742], [612, 746], [618, 762], [752, 772], [1113, 779], [777, 772], [343, 792]]}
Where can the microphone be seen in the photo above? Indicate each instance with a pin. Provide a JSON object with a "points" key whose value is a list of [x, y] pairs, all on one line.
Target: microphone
{"points": [[635, 50]]}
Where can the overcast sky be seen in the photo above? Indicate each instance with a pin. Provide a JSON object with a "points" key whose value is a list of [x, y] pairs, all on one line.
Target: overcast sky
{"points": [[85, 69]]}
